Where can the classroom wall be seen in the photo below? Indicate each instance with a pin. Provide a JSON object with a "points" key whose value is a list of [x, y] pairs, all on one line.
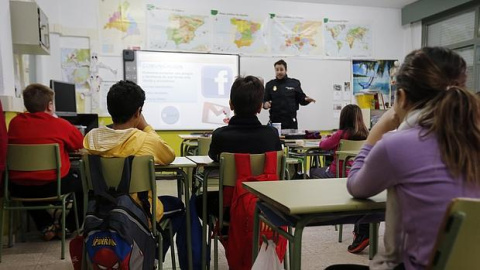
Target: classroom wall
{"points": [[78, 20], [7, 86]]}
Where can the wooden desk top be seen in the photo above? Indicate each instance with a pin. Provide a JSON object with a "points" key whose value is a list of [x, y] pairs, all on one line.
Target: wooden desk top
{"points": [[203, 160], [314, 196], [179, 162]]}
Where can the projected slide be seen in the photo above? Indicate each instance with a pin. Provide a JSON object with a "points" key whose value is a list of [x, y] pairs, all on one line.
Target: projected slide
{"points": [[186, 91]]}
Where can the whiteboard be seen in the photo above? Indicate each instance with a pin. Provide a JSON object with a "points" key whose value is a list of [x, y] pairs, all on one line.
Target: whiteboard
{"points": [[317, 77], [186, 91]]}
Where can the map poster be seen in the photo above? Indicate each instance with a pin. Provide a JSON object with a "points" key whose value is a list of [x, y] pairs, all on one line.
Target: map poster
{"points": [[239, 33], [177, 29], [75, 65], [347, 40], [121, 24], [296, 36], [372, 77]]}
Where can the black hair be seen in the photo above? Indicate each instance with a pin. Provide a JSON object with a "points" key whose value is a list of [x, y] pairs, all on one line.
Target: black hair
{"points": [[281, 62], [246, 95], [123, 100]]}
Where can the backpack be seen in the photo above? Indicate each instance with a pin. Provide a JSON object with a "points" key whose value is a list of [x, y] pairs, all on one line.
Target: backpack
{"points": [[238, 246], [116, 229]]}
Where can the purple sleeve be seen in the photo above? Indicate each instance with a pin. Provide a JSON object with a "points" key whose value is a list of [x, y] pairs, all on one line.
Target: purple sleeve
{"points": [[331, 143], [371, 172]]}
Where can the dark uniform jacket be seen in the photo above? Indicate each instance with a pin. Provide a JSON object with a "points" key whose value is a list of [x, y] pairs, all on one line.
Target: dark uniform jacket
{"points": [[244, 134], [286, 96]]}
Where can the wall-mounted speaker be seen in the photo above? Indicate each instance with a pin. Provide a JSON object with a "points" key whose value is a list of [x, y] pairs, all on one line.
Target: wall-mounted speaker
{"points": [[128, 55]]}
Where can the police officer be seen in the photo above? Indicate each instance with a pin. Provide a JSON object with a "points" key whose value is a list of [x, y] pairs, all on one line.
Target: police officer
{"points": [[283, 96]]}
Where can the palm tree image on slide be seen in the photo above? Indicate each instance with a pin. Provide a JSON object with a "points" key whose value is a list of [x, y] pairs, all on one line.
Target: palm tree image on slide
{"points": [[371, 76]]}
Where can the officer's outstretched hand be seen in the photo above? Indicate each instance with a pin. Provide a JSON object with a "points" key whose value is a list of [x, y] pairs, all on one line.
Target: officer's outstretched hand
{"points": [[267, 105], [309, 99]]}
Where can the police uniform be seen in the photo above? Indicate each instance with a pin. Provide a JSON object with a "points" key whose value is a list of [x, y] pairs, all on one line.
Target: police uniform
{"points": [[286, 95]]}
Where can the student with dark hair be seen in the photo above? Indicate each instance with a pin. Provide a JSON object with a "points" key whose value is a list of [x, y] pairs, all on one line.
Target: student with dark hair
{"points": [[41, 126], [431, 159], [283, 95], [130, 135], [244, 133], [353, 128]]}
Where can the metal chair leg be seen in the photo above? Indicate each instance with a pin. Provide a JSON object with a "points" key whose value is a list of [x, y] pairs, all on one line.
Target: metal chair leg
{"points": [[10, 229], [172, 244], [340, 233]]}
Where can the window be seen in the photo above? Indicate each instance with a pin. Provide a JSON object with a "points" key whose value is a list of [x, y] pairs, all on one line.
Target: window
{"points": [[458, 31]]}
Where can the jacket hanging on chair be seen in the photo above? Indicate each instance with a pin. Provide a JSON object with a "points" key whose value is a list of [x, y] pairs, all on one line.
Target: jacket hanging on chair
{"points": [[238, 246]]}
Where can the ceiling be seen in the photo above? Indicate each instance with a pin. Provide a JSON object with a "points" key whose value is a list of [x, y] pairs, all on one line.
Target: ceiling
{"points": [[365, 3]]}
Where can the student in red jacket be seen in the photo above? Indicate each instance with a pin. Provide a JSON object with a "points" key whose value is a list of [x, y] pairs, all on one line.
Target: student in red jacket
{"points": [[41, 126]]}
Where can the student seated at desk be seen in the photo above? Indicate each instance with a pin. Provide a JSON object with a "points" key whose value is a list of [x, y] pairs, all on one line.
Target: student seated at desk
{"points": [[431, 159], [130, 135], [41, 126], [353, 128], [244, 133]]}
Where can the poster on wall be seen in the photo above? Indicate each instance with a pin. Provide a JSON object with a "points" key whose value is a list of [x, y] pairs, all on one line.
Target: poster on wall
{"points": [[122, 25], [292, 35], [344, 39], [239, 33], [177, 29], [372, 77]]}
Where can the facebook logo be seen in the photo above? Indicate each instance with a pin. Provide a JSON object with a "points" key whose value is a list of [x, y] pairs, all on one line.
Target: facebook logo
{"points": [[216, 81]]}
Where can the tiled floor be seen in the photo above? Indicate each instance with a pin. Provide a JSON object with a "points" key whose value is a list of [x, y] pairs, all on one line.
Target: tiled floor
{"points": [[320, 249]]}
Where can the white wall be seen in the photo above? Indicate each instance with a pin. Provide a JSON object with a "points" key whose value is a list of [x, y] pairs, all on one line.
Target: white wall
{"points": [[7, 82], [79, 18]]}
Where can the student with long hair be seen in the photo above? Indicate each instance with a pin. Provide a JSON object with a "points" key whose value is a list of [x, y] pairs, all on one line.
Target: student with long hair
{"points": [[431, 159], [352, 128]]}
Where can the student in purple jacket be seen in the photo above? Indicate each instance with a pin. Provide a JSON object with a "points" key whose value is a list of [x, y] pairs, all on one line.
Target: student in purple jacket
{"points": [[432, 158]]}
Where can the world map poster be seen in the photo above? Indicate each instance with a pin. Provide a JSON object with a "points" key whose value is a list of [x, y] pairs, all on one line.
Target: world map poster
{"points": [[296, 36], [348, 40], [177, 29], [122, 25]]}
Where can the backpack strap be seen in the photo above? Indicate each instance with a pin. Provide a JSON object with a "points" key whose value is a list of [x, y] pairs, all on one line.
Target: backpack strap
{"points": [[124, 185], [98, 181], [96, 175]]}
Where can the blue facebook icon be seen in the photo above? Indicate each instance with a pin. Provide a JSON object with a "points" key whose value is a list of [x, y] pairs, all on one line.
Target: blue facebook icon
{"points": [[216, 81]]}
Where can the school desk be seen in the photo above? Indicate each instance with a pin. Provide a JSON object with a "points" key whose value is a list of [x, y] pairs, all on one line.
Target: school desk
{"points": [[315, 201], [178, 166], [208, 166]]}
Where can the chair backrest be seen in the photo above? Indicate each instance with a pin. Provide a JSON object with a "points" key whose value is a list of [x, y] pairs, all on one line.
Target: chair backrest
{"points": [[142, 173], [228, 172], [33, 157], [203, 145], [348, 145], [458, 240]]}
